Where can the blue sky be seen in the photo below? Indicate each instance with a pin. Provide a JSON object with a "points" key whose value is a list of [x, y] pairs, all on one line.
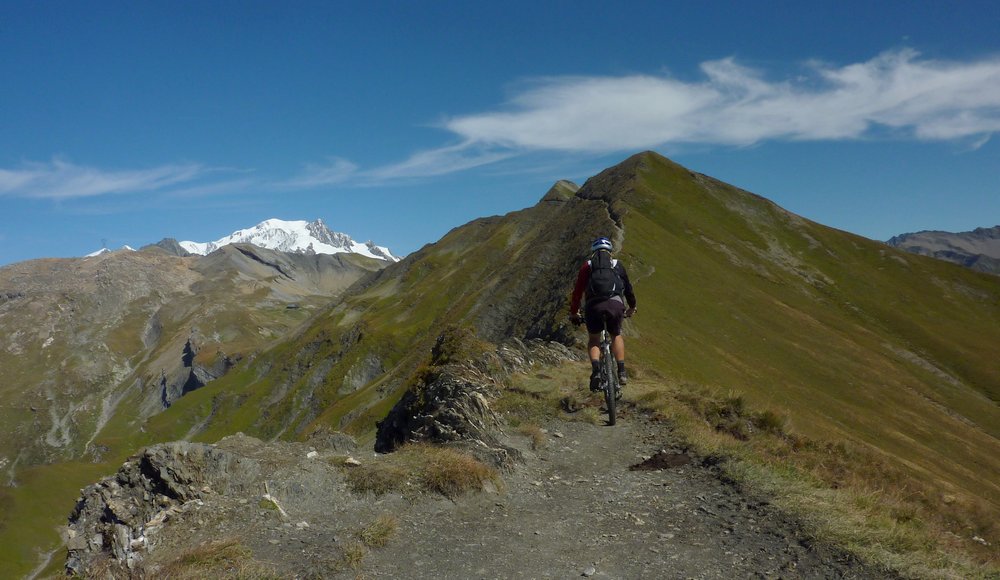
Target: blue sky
{"points": [[397, 121]]}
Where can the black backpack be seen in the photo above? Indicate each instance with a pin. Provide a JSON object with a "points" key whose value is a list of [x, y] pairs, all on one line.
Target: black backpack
{"points": [[604, 279]]}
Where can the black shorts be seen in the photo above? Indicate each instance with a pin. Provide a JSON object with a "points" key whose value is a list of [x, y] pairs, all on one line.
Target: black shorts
{"points": [[611, 310]]}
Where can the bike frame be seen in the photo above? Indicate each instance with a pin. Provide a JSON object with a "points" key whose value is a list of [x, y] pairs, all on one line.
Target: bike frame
{"points": [[609, 376]]}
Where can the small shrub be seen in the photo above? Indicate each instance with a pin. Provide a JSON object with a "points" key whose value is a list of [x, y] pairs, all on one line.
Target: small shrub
{"points": [[770, 422], [377, 477], [452, 473], [351, 557], [458, 344], [222, 559], [422, 467], [535, 434], [380, 531]]}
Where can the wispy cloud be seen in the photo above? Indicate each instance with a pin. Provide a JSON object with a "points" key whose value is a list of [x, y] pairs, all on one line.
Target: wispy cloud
{"points": [[439, 161], [426, 163], [334, 172], [737, 105], [60, 179], [731, 105]]}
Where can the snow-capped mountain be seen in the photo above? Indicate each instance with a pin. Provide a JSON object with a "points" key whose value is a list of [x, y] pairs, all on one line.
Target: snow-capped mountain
{"points": [[294, 236], [108, 251]]}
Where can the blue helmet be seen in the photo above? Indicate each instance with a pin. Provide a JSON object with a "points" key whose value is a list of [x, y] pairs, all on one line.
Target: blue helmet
{"points": [[601, 244]]}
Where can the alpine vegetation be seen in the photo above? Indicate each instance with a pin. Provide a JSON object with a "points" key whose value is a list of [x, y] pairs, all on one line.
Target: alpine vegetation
{"points": [[847, 388]]}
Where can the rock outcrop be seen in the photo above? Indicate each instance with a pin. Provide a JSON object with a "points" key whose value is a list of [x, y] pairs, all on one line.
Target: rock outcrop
{"points": [[450, 404], [119, 517]]}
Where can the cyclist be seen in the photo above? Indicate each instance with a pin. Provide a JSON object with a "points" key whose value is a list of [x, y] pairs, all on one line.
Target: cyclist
{"points": [[607, 288]]}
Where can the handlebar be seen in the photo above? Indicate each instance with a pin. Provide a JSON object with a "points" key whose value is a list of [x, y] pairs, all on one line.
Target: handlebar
{"points": [[580, 319]]}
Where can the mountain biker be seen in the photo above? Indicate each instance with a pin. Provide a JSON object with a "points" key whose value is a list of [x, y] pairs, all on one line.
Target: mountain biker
{"points": [[607, 288]]}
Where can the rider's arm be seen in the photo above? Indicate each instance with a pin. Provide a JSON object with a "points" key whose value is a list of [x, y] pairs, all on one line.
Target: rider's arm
{"points": [[581, 285], [629, 293]]}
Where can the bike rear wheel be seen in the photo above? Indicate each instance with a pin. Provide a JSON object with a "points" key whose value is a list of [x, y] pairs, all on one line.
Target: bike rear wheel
{"points": [[610, 387]]}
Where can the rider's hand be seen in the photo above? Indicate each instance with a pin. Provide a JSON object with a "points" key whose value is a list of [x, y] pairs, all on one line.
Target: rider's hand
{"points": [[630, 312], [575, 318]]}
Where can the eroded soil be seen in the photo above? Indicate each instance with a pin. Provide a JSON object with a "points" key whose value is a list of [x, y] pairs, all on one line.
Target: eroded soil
{"points": [[576, 508], [606, 502]]}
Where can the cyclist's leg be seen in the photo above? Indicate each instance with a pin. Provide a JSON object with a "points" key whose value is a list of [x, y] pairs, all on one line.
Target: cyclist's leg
{"points": [[595, 324], [618, 348], [615, 313], [594, 346], [594, 327]]}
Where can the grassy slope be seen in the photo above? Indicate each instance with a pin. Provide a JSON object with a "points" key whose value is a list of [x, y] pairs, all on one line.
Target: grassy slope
{"points": [[849, 339]]}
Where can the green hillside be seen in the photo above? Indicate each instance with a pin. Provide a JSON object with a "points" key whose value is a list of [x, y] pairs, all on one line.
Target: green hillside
{"points": [[848, 338], [858, 351], [94, 346]]}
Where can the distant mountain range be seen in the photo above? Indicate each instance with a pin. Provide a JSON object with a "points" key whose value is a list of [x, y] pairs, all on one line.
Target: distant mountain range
{"points": [[296, 237], [978, 249]]}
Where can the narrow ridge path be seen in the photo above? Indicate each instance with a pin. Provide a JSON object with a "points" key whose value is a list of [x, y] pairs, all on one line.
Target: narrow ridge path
{"points": [[576, 509]]}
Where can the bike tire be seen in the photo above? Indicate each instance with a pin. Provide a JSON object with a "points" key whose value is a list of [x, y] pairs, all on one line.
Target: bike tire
{"points": [[610, 387]]}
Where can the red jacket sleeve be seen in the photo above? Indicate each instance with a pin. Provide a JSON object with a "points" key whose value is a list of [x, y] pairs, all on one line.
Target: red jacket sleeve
{"points": [[581, 284]]}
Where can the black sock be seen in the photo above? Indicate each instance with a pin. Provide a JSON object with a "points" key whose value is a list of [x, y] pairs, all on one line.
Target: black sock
{"points": [[621, 366], [595, 367]]}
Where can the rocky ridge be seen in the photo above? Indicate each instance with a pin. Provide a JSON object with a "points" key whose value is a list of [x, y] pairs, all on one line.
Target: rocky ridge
{"points": [[978, 249], [450, 405]]}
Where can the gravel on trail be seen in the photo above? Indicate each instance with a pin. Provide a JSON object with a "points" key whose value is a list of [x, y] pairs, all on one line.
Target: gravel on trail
{"points": [[577, 509], [594, 501]]}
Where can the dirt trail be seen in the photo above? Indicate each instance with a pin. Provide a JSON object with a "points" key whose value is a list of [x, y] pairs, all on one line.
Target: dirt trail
{"points": [[576, 509], [572, 509]]}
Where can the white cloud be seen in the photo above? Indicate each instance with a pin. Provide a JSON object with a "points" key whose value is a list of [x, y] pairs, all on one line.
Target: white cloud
{"points": [[439, 161], [60, 179], [427, 163], [736, 105], [335, 171]]}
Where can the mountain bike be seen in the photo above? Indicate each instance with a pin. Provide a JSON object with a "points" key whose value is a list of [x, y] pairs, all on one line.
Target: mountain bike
{"points": [[609, 376]]}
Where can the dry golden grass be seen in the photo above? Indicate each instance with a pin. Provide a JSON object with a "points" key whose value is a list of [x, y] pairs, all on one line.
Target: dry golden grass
{"points": [[452, 473], [379, 532], [846, 492], [421, 467], [351, 557], [534, 434], [379, 477], [223, 559]]}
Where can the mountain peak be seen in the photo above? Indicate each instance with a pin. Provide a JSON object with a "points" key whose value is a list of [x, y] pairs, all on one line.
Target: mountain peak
{"points": [[103, 251], [562, 190], [978, 249], [298, 236]]}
